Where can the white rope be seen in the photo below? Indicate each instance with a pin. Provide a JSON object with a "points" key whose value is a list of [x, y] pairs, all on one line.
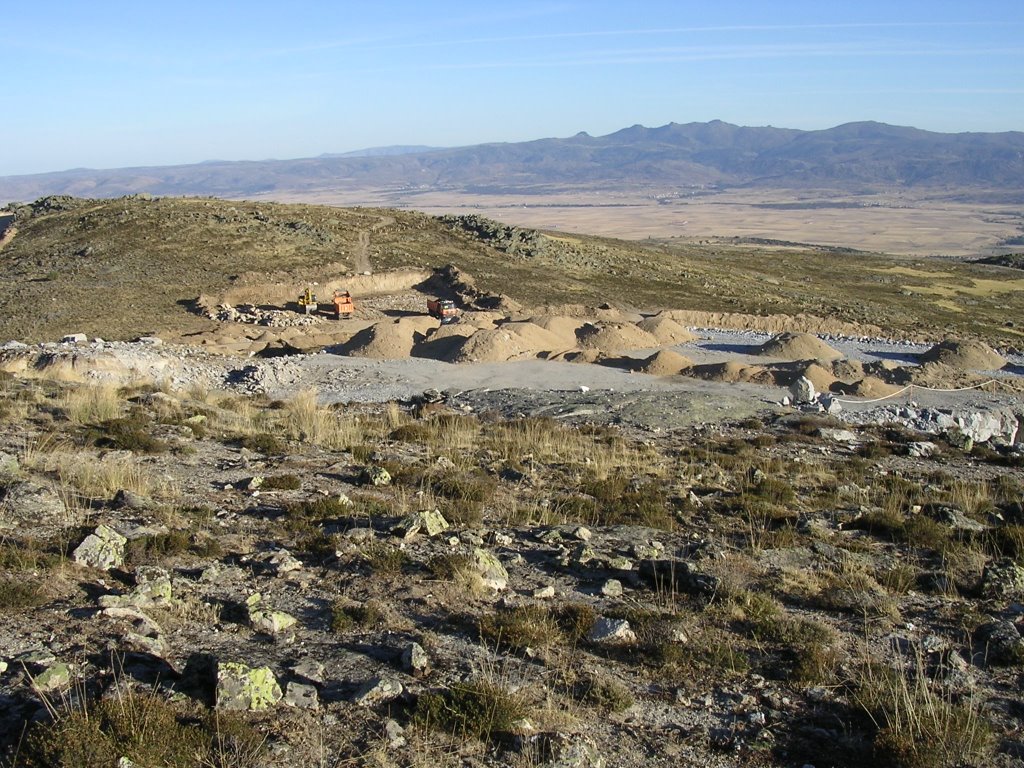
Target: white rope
{"points": [[913, 386]]}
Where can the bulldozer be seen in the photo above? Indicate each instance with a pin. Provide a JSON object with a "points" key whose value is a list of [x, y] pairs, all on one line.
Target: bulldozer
{"points": [[444, 310], [343, 305]]}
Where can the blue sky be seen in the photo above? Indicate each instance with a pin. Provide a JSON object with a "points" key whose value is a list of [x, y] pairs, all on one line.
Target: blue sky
{"points": [[107, 84]]}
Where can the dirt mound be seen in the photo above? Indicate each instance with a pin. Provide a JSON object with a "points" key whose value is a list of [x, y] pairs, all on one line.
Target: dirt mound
{"points": [[479, 319], [563, 326], [615, 337], [389, 340], [798, 346], [965, 355], [507, 342], [869, 386], [732, 372], [665, 362], [666, 330], [771, 323], [848, 370]]}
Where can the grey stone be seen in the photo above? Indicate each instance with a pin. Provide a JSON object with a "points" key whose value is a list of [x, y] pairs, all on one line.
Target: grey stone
{"points": [[394, 733], [611, 632], [922, 450], [244, 688], [103, 548], [74, 338], [839, 435], [310, 669], [415, 660], [301, 696], [53, 678], [9, 466], [491, 571], [612, 588], [428, 521], [1003, 579], [375, 476], [1001, 642], [802, 391], [378, 690], [544, 593]]}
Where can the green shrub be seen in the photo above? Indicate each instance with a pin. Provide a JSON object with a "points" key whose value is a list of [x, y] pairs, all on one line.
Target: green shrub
{"points": [[285, 482], [479, 709]]}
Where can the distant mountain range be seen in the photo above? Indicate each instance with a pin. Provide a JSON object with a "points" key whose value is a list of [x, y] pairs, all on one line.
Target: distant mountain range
{"points": [[851, 157]]}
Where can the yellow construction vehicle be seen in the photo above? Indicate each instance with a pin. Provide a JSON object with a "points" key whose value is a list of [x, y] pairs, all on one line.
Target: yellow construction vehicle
{"points": [[308, 302]]}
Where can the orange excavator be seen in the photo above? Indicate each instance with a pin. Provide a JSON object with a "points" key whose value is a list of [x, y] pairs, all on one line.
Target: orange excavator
{"points": [[343, 305]]}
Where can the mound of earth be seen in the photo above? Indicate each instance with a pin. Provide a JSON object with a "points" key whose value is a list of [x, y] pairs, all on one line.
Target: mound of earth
{"points": [[615, 337], [820, 377], [868, 387], [965, 355], [666, 330], [798, 346], [563, 326], [507, 342], [732, 372], [665, 362], [389, 340]]}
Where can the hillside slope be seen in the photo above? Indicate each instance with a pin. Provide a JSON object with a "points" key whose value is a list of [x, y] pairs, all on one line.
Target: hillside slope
{"points": [[120, 268]]}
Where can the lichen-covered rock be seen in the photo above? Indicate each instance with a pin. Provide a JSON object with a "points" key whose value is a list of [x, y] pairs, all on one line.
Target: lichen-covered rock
{"points": [[1003, 578], [378, 690], [53, 678], [415, 660], [491, 571], [428, 521], [611, 632], [240, 687], [301, 696], [103, 548], [1000, 642], [375, 476], [267, 621]]}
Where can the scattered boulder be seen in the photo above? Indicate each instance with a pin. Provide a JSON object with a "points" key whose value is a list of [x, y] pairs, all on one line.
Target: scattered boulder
{"points": [[1000, 642], [1003, 579], [611, 632], [803, 391], [53, 678], [267, 621], [244, 688], [301, 696], [378, 690], [373, 475], [431, 522], [492, 572], [103, 548], [415, 660]]}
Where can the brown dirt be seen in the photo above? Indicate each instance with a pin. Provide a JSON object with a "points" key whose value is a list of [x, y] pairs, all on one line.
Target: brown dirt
{"points": [[798, 346], [615, 337], [666, 330], [666, 362], [732, 372], [965, 355]]}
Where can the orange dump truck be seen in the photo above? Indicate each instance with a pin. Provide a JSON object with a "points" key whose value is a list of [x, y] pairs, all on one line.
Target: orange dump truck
{"points": [[444, 310], [343, 305]]}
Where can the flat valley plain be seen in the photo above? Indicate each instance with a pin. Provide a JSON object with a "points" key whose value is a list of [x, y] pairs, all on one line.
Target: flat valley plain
{"points": [[899, 222]]}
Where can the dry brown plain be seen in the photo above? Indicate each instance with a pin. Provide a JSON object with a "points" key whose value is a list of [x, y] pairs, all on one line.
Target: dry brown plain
{"points": [[897, 223]]}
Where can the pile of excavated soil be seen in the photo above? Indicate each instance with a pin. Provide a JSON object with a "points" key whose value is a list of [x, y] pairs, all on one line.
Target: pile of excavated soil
{"points": [[482, 319], [390, 341], [507, 342], [563, 326], [665, 362], [732, 372], [965, 355], [666, 330], [798, 346], [615, 337], [821, 378], [868, 387]]}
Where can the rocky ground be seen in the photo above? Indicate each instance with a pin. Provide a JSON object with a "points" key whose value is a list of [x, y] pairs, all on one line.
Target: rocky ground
{"points": [[324, 560]]}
